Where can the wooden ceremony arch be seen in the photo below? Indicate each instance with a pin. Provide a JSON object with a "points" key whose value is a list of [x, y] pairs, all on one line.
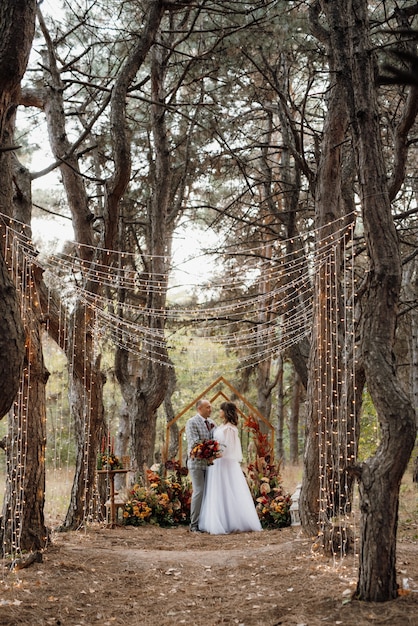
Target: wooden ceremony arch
{"points": [[221, 380]]}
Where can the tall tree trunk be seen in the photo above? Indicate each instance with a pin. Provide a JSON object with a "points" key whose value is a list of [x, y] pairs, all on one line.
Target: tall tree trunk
{"points": [[122, 444], [153, 383], [86, 403], [144, 381], [296, 389], [280, 410], [380, 476], [264, 331], [23, 526], [85, 379], [12, 339], [122, 435], [173, 448], [290, 187], [17, 27], [322, 460], [25, 492], [411, 283]]}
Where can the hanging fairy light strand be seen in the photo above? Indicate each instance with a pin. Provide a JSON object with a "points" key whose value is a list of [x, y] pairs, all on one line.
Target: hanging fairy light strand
{"points": [[334, 398], [289, 303], [288, 300], [116, 275]]}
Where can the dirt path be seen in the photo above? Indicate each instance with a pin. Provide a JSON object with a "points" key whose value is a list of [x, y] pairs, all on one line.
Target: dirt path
{"points": [[162, 577]]}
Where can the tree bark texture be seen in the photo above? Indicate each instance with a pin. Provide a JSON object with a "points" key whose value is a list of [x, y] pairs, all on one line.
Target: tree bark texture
{"points": [[62, 148], [296, 390], [86, 403], [380, 475], [17, 27], [280, 411], [326, 432], [265, 336], [85, 378], [264, 328], [25, 488], [290, 187], [411, 289], [117, 185], [142, 403], [23, 526], [170, 414], [12, 340], [150, 386]]}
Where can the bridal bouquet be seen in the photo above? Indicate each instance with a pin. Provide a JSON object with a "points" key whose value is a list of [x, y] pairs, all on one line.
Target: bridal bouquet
{"points": [[207, 450]]}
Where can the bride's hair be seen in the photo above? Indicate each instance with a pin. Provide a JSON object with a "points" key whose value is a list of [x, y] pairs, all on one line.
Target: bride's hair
{"points": [[230, 412]]}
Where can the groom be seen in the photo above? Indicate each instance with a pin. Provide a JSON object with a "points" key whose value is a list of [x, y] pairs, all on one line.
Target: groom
{"points": [[198, 428]]}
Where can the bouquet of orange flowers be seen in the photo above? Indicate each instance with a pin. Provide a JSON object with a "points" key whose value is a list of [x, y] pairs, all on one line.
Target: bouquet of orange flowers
{"points": [[108, 461], [207, 450]]}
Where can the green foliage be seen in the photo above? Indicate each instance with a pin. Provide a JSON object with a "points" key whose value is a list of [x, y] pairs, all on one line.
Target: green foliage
{"points": [[187, 352], [60, 448], [369, 429]]}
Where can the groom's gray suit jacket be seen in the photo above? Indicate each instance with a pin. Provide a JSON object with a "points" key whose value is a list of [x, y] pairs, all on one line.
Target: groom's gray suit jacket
{"points": [[196, 430]]}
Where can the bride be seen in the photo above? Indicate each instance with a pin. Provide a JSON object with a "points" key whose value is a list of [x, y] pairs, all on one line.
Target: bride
{"points": [[227, 502]]}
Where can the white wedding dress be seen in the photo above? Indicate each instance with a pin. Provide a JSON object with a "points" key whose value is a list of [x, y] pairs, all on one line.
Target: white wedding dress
{"points": [[227, 502]]}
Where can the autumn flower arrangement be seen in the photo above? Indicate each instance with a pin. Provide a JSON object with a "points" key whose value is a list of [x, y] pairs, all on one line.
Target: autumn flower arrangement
{"points": [[207, 450], [107, 459], [162, 499], [264, 480]]}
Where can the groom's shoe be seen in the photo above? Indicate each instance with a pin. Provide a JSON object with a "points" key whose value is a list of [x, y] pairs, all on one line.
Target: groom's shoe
{"points": [[196, 530]]}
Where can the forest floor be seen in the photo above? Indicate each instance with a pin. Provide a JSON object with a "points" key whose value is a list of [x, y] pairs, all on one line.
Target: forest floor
{"points": [[152, 576]]}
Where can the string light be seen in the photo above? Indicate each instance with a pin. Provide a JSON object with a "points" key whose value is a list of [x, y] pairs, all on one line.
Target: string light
{"points": [[262, 343], [335, 382], [238, 324]]}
